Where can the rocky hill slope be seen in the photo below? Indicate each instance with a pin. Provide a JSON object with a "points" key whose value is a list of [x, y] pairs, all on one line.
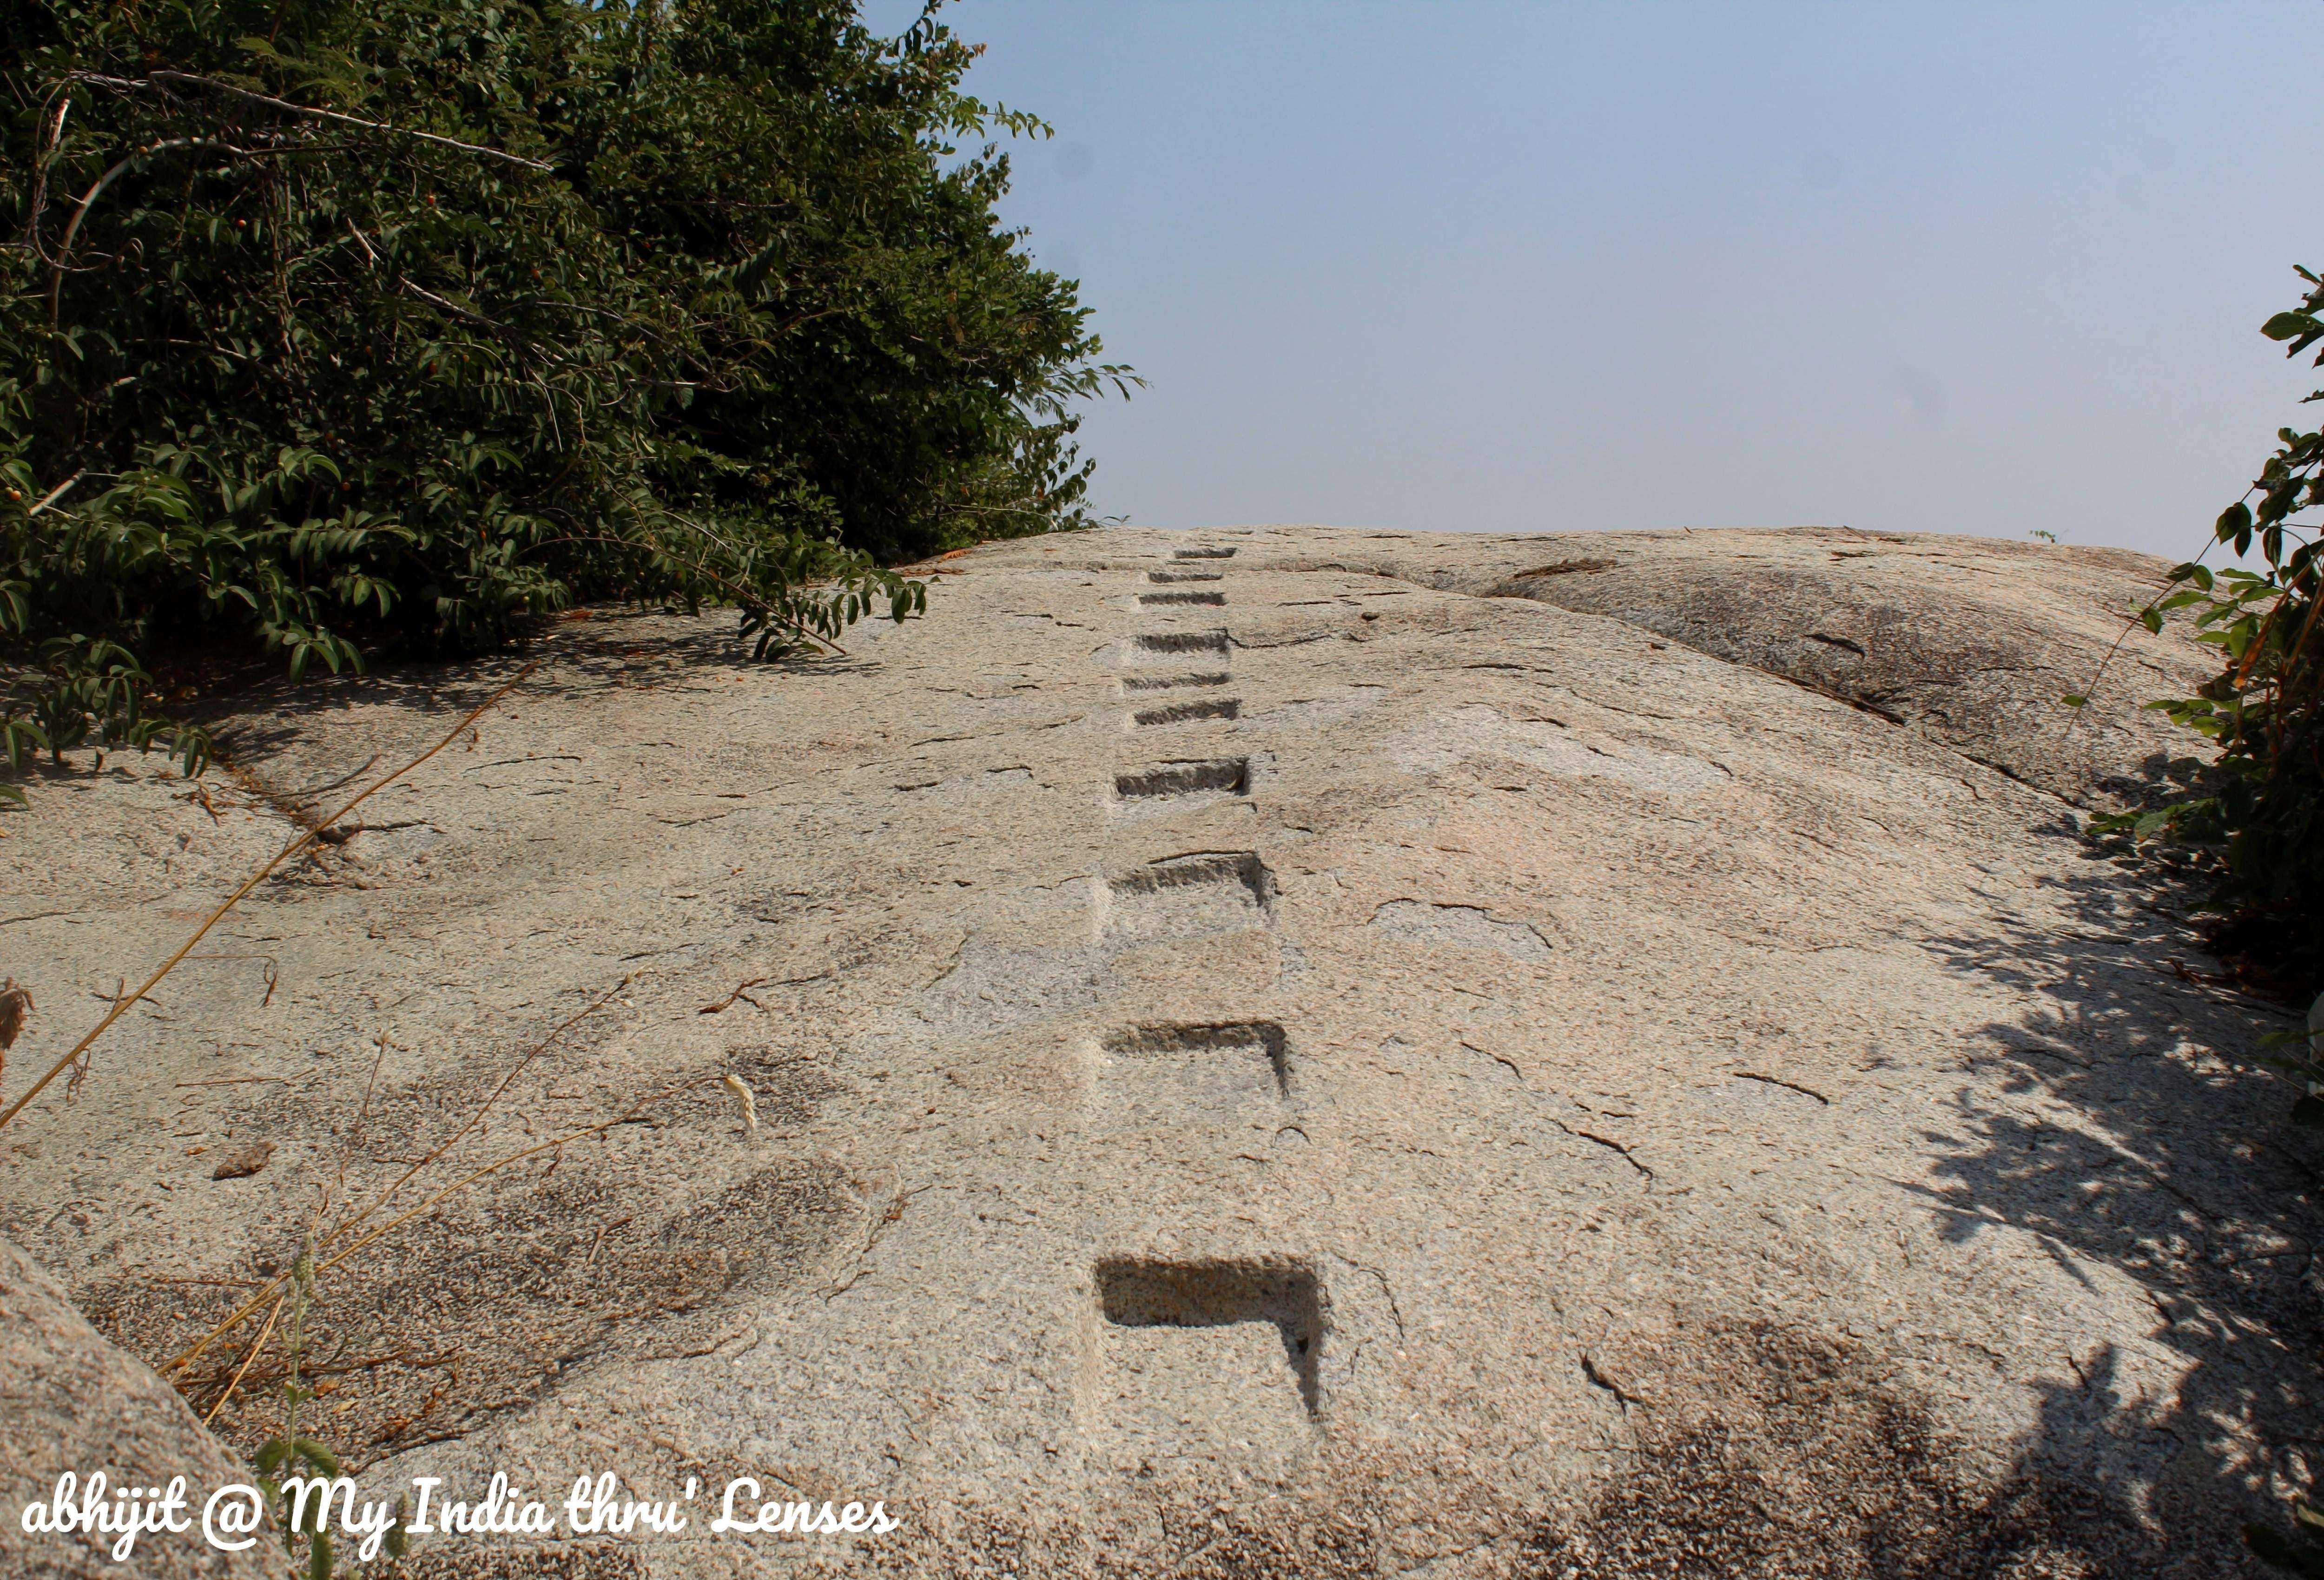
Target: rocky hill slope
{"points": [[1268, 1052]]}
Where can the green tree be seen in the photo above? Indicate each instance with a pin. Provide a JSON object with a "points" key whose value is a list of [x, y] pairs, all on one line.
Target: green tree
{"points": [[347, 328]]}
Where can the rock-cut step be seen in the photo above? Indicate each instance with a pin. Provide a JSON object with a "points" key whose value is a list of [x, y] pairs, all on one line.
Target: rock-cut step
{"points": [[1192, 713], [1165, 644], [1227, 1054], [1144, 683], [1189, 895], [1228, 775]]}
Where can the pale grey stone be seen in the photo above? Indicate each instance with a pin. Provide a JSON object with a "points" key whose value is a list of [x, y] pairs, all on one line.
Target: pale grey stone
{"points": [[1577, 1094], [72, 1401]]}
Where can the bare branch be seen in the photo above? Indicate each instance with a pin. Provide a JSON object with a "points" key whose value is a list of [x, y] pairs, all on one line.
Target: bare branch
{"points": [[152, 85], [425, 295], [96, 189], [54, 494]]}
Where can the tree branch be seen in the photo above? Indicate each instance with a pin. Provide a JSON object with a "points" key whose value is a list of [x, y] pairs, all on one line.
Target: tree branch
{"points": [[153, 83], [96, 189]]}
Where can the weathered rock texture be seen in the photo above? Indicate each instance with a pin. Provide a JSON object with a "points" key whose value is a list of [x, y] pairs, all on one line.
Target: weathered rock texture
{"points": [[72, 1401], [1967, 640], [1270, 1055]]}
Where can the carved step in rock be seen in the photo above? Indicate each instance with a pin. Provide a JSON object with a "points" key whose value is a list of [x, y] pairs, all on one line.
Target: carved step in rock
{"points": [[1205, 1359], [1189, 712], [1180, 897], [1138, 683], [1225, 776]]}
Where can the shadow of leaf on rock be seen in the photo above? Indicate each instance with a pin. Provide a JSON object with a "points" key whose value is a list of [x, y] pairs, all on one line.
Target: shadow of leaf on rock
{"points": [[2133, 1132]]}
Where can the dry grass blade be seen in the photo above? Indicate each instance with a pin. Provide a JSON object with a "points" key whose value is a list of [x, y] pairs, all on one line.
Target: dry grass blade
{"points": [[750, 1101], [243, 1370], [535, 1051], [240, 1313], [274, 1287], [122, 1004], [628, 1115]]}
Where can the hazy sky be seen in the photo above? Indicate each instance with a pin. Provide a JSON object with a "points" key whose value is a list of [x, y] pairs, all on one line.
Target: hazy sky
{"points": [[1935, 267]]}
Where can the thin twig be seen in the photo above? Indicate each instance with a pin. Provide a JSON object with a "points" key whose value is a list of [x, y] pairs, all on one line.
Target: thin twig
{"points": [[96, 189], [292, 849], [241, 1313], [364, 244], [2074, 715], [354, 1134], [535, 1051], [519, 1156], [54, 494], [236, 1319], [258, 1345], [149, 85], [454, 308]]}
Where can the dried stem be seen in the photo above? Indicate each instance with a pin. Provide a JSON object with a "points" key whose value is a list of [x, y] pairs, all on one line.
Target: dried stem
{"points": [[122, 1004], [256, 1346], [241, 1313]]}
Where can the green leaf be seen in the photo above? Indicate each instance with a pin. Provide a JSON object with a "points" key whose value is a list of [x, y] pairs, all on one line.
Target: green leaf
{"points": [[2075, 700], [2151, 618], [2274, 1548], [2234, 521], [2290, 326], [2271, 1546]]}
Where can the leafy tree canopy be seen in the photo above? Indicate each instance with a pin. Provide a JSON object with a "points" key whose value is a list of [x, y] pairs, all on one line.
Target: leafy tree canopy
{"points": [[400, 325]]}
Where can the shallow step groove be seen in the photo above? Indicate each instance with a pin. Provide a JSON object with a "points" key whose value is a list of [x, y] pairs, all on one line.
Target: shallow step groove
{"points": [[1190, 712], [1199, 869], [1231, 775], [1179, 642], [1262, 1040], [1138, 683], [1140, 1293]]}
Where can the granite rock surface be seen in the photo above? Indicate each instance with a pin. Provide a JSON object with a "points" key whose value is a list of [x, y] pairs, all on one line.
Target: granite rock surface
{"points": [[75, 1404], [1273, 1050]]}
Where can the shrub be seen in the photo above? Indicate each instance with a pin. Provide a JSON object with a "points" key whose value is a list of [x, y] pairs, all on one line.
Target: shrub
{"points": [[2257, 815], [345, 328]]}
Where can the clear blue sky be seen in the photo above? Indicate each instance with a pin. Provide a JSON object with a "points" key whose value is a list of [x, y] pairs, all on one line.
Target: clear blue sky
{"points": [[1958, 267]]}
